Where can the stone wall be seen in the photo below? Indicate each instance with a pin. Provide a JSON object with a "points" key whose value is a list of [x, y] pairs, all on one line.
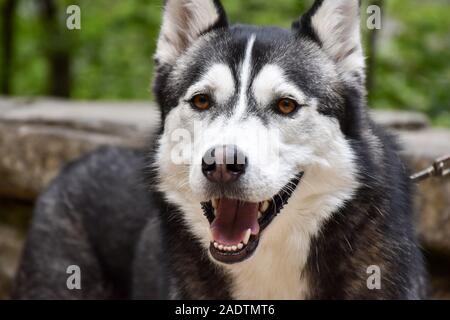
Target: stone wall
{"points": [[37, 137]]}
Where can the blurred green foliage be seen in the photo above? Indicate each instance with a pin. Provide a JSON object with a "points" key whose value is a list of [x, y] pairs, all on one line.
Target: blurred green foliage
{"points": [[413, 69], [112, 54]]}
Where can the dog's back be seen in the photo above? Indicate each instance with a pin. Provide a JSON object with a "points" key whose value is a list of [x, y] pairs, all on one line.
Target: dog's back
{"points": [[92, 216]]}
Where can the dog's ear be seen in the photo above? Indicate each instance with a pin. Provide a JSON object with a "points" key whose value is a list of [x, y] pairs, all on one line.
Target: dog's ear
{"points": [[184, 21], [335, 26]]}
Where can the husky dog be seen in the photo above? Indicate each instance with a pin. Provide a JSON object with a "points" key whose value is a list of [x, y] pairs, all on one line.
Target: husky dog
{"points": [[281, 188]]}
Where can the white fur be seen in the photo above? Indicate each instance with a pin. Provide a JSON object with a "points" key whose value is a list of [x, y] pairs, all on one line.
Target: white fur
{"points": [[245, 78], [218, 79], [183, 23], [271, 83], [261, 145], [337, 25]]}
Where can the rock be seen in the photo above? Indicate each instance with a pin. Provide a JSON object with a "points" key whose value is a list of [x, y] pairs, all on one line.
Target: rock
{"points": [[439, 269], [400, 120], [421, 148], [109, 118], [10, 247], [38, 138]]}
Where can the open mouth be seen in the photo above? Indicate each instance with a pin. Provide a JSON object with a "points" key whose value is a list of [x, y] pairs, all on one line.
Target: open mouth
{"points": [[236, 225]]}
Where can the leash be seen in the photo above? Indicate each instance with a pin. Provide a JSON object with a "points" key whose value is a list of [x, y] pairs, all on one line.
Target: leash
{"points": [[440, 168]]}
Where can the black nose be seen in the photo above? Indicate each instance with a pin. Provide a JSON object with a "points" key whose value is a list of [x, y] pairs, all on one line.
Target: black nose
{"points": [[224, 164]]}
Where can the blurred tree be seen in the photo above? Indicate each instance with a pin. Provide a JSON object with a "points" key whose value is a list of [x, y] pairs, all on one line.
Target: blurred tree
{"points": [[413, 64], [57, 51], [8, 8], [371, 51]]}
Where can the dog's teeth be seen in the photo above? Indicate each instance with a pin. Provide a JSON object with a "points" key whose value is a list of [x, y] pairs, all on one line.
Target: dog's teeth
{"points": [[247, 236], [259, 214], [215, 203], [234, 248], [223, 248], [264, 206]]}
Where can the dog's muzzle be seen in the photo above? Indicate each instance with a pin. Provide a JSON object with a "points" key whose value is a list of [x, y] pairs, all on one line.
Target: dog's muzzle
{"points": [[236, 224]]}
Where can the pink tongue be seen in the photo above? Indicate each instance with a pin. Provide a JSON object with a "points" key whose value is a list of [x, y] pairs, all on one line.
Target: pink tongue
{"points": [[233, 219]]}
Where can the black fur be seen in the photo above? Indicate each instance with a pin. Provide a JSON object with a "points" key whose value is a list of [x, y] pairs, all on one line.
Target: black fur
{"points": [[376, 228], [303, 25]]}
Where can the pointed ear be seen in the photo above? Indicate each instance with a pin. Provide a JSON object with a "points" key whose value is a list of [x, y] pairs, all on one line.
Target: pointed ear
{"points": [[335, 26], [184, 21]]}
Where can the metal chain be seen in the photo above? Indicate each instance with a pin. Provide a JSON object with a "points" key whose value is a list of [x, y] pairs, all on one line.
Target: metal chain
{"points": [[440, 168]]}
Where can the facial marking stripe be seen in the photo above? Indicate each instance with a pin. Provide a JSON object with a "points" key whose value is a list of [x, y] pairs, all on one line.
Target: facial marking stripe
{"points": [[245, 78]]}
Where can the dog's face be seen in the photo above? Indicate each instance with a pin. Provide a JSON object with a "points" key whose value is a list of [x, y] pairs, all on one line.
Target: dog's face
{"points": [[257, 121]]}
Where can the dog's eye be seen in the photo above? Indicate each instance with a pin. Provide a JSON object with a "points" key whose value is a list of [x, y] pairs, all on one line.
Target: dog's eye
{"points": [[286, 106], [201, 101]]}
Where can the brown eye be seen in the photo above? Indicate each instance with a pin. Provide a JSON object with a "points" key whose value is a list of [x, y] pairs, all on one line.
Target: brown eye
{"points": [[286, 106], [201, 101]]}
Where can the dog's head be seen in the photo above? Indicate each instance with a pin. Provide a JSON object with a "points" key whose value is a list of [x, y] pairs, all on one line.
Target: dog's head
{"points": [[258, 121]]}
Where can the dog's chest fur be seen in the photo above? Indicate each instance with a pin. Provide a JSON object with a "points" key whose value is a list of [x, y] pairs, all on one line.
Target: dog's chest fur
{"points": [[276, 271]]}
